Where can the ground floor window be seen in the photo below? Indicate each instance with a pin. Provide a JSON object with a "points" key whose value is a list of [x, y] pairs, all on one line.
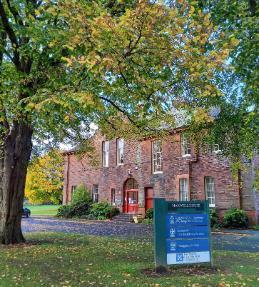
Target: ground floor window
{"points": [[73, 189], [210, 190], [95, 193], [184, 189], [113, 196]]}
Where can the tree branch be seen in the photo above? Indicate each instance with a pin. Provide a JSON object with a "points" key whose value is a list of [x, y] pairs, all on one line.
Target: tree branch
{"points": [[118, 108], [7, 27], [17, 18]]}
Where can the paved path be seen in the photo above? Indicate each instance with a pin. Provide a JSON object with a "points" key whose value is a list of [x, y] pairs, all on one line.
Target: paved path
{"points": [[236, 240]]}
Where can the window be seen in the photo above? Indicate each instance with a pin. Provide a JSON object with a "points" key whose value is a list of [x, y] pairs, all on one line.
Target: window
{"points": [[131, 183], [214, 148], [105, 148], [120, 151], [113, 196], [95, 193], [157, 158], [184, 189], [210, 190], [73, 188], [185, 145]]}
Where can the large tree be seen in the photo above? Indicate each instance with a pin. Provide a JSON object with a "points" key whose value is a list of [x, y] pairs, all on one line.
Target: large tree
{"points": [[65, 64]]}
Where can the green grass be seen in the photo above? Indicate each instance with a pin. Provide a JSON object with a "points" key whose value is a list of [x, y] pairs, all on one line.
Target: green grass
{"points": [[55, 259], [43, 209]]}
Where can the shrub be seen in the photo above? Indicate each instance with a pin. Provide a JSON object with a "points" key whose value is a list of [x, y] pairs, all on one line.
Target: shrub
{"points": [[149, 213], [147, 221], [74, 210], [235, 217], [64, 211], [103, 210], [81, 194], [214, 218]]}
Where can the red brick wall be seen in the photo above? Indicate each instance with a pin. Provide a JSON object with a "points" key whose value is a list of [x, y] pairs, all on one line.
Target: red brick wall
{"points": [[138, 164]]}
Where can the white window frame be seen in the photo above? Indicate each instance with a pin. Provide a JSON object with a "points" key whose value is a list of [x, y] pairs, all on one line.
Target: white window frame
{"points": [[120, 151], [157, 157], [185, 146], [113, 196], [95, 193], [216, 149], [183, 189], [105, 153], [209, 187], [73, 189]]}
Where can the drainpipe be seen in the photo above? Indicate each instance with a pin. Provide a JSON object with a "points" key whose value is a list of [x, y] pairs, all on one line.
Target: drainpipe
{"points": [[67, 175], [195, 160], [239, 182]]}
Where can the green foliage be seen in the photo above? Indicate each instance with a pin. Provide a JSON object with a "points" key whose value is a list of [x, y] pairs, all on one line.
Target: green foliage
{"points": [[149, 213], [214, 218], [81, 194], [74, 210], [235, 217], [44, 182], [103, 210], [147, 221]]}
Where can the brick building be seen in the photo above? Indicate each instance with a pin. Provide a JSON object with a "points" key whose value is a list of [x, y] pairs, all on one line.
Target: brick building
{"points": [[129, 174]]}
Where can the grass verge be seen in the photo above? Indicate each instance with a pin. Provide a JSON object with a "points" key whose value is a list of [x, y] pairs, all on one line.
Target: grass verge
{"points": [[47, 210], [55, 259]]}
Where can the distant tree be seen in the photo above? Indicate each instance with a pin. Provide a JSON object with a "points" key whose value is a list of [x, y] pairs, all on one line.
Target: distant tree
{"points": [[44, 181]]}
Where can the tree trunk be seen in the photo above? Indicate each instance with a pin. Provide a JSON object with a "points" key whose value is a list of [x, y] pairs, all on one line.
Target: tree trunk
{"points": [[14, 158]]}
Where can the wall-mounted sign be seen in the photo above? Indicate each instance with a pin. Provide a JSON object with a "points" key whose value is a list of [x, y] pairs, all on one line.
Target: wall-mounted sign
{"points": [[182, 232]]}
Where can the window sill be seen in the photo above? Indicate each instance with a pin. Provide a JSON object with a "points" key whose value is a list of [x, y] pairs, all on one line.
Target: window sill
{"points": [[212, 205], [157, 172], [186, 155], [119, 164]]}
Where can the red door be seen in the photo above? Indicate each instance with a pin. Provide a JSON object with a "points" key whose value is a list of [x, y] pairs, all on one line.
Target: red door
{"points": [[149, 194], [130, 204], [131, 201]]}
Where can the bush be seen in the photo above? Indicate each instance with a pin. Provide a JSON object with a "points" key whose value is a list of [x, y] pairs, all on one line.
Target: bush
{"points": [[147, 221], [103, 210], [74, 210], [214, 218], [235, 217], [64, 211], [149, 213], [81, 194]]}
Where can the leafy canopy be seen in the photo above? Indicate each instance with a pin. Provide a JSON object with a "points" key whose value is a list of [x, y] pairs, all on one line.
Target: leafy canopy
{"points": [[44, 183]]}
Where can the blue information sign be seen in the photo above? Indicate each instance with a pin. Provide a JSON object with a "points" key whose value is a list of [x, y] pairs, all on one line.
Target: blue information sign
{"points": [[187, 219], [187, 232], [187, 245], [182, 232]]}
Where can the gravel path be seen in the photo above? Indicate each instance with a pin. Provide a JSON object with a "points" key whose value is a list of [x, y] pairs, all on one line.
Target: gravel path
{"points": [[99, 228], [235, 240]]}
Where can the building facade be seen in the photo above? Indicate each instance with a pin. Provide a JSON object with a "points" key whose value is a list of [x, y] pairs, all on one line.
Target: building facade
{"points": [[129, 174]]}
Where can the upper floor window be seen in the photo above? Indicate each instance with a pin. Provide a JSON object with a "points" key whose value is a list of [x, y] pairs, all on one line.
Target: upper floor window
{"points": [[185, 145], [95, 193], [183, 189], [210, 190], [105, 156], [120, 151], [214, 148], [157, 159]]}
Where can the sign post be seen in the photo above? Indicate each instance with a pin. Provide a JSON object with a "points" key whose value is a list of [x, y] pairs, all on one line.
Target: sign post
{"points": [[181, 232]]}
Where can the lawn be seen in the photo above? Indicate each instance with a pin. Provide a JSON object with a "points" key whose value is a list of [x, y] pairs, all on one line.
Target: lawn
{"points": [[55, 259], [43, 209]]}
